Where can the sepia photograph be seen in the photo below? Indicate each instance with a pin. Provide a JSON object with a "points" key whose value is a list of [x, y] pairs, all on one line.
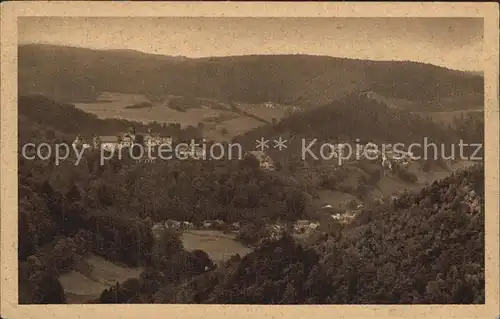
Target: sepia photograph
{"points": [[250, 159]]}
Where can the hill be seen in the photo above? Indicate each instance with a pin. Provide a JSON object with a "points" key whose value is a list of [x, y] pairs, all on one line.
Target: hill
{"points": [[43, 118], [427, 247], [78, 74], [68, 212], [355, 119]]}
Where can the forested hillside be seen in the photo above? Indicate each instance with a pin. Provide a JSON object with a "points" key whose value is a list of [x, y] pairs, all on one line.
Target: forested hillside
{"points": [[67, 211], [427, 247], [77, 74], [357, 118]]}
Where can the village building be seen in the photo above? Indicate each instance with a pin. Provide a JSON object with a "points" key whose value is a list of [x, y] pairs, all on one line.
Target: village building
{"points": [[235, 226], [189, 151], [109, 143], [96, 142], [187, 225], [313, 225], [302, 226], [219, 222], [154, 140], [206, 224], [345, 217], [127, 140], [172, 224], [265, 161]]}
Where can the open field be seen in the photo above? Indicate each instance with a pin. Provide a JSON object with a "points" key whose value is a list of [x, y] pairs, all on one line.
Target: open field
{"points": [[216, 244], [81, 286], [389, 185], [216, 116]]}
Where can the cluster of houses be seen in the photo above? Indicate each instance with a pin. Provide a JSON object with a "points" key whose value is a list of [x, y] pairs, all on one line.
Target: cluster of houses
{"points": [[207, 224], [344, 217], [351, 210], [270, 105], [302, 226], [273, 105], [388, 157], [123, 140], [276, 231], [159, 228], [149, 140]]}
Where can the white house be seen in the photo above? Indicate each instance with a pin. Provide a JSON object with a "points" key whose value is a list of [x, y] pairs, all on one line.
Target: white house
{"points": [[313, 225], [219, 222], [206, 224]]}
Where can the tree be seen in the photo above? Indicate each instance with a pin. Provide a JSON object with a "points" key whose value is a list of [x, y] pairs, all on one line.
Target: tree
{"points": [[167, 245], [48, 290]]}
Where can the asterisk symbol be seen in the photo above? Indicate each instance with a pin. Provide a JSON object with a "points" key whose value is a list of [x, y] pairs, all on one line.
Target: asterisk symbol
{"points": [[262, 144], [280, 143]]}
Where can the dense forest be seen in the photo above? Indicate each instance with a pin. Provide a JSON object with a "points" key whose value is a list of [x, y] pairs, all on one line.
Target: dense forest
{"points": [[426, 247], [102, 209], [76, 74]]}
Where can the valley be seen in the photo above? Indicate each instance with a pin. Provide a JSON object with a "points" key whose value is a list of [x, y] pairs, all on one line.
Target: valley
{"points": [[86, 230]]}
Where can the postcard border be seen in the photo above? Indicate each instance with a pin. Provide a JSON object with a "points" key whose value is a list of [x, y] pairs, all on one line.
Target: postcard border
{"points": [[10, 11]]}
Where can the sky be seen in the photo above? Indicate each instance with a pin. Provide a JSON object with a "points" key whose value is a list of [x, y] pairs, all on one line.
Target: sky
{"points": [[455, 43]]}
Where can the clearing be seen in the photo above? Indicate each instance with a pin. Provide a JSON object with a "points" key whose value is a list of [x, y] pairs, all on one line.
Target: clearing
{"points": [[87, 284], [218, 245]]}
